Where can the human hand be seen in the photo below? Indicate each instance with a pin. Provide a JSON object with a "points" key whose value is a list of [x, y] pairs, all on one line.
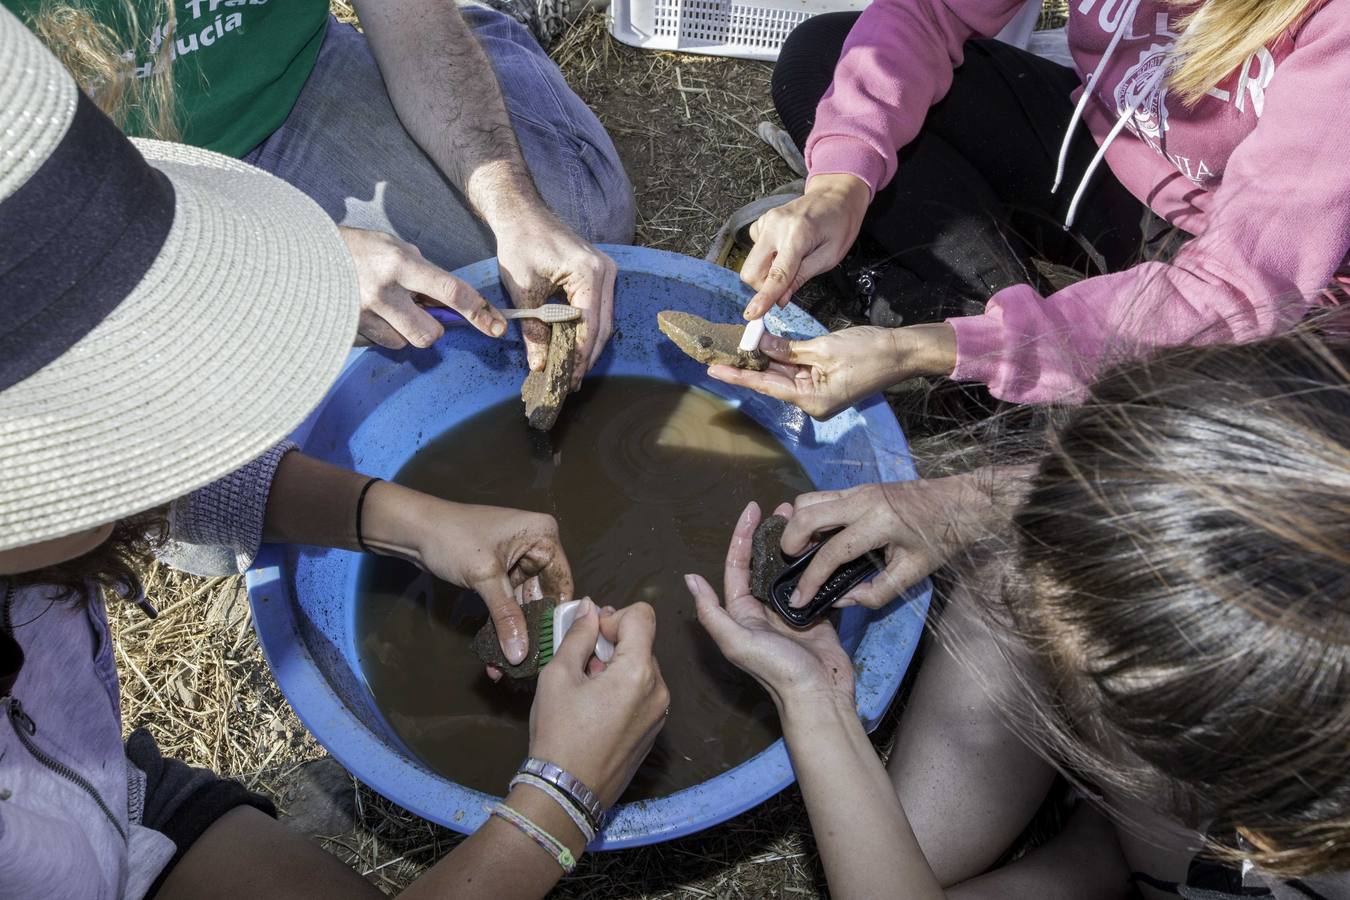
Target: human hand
{"points": [[539, 256], [503, 555], [825, 375], [798, 240], [599, 721], [395, 281], [919, 525], [793, 665]]}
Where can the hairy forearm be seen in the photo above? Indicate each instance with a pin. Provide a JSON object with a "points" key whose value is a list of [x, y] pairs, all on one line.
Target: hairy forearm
{"points": [[447, 96], [865, 841]]}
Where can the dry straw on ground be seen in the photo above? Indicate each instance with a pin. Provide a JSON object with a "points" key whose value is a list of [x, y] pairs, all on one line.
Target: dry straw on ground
{"points": [[195, 677]]}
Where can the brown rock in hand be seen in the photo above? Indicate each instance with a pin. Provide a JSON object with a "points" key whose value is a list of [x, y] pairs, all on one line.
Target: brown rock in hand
{"points": [[489, 648], [544, 392], [711, 343], [766, 556]]}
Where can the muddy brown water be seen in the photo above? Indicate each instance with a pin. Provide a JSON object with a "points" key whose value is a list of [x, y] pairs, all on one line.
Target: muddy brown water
{"points": [[646, 479]]}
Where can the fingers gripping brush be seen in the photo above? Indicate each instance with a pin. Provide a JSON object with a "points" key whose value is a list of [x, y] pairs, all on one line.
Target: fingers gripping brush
{"points": [[546, 625], [552, 634]]}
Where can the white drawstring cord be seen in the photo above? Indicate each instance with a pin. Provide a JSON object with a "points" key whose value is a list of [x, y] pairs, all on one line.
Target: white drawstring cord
{"points": [[1125, 23], [1096, 161], [1116, 129]]}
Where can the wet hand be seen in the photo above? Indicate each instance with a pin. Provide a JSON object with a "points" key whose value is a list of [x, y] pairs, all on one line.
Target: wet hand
{"points": [[395, 282], [500, 554], [540, 256], [793, 665], [919, 526], [824, 376], [797, 241], [599, 721]]}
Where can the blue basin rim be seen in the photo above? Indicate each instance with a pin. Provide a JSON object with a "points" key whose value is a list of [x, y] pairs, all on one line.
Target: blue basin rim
{"points": [[882, 655]]}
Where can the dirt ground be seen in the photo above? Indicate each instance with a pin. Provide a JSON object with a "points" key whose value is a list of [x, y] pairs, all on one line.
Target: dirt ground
{"points": [[196, 679]]}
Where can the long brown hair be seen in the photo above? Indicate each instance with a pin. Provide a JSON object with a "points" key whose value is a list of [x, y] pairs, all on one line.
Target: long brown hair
{"points": [[1179, 595], [92, 44]]}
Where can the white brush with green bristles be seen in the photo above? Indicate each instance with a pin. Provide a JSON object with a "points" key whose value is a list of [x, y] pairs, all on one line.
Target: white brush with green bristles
{"points": [[553, 630]]}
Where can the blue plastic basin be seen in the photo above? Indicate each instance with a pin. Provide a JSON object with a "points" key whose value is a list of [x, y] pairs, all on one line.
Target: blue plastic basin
{"points": [[387, 405]]}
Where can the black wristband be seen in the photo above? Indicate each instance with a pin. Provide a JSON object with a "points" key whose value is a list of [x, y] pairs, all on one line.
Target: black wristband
{"points": [[360, 508]]}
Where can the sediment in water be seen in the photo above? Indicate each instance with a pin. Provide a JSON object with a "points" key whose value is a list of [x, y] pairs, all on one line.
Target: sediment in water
{"points": [[646, 479]]}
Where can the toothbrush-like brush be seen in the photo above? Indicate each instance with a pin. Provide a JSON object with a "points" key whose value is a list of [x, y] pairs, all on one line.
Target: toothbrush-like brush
{"points": [[550, 313]]}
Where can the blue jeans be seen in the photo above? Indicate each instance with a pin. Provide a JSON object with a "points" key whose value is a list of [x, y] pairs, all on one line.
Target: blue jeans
{"points": [[345, 147]]}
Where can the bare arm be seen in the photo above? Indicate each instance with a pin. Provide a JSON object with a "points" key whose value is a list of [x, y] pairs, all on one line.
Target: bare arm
{"points": [[491, 550], [593, 719], [446, 94], [498, 862], [865, 841]]}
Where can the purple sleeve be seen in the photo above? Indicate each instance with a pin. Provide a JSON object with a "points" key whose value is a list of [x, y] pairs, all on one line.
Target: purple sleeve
{"points": [[1276, 232], [896, 63], [217, 530]]}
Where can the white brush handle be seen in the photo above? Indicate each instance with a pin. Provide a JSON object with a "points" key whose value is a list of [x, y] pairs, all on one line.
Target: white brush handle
{"points": [[549, 312], [753, 332], [563, 616]]}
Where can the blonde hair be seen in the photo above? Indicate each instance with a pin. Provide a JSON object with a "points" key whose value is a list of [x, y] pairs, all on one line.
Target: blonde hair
{"points": [[1220, 36], [95, 50]]}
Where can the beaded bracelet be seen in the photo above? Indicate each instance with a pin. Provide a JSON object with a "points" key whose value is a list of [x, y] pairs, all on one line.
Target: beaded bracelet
{"points": [[559, 798], [550, 845]]}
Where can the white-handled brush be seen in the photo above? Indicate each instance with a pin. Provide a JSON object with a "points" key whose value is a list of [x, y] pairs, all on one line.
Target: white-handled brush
{"points": [[564, 614], [549, 312], [753, 332]]}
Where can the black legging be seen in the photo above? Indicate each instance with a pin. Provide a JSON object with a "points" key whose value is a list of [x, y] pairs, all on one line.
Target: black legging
{"points": [[970, 204]]}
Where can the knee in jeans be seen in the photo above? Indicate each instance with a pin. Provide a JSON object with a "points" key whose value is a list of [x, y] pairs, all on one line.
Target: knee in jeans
{"points": [[607, 214]]}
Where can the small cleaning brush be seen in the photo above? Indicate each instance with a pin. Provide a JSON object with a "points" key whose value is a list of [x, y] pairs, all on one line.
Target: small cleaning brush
{"points": [[553, 630]]}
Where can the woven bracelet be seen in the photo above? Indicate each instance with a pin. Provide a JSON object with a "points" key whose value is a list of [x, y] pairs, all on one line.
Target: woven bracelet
{"points": [[559, 798], [550, 845]]}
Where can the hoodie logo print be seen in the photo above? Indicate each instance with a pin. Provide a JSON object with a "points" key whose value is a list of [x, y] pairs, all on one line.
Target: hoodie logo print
{"points": [[1144, 88]]}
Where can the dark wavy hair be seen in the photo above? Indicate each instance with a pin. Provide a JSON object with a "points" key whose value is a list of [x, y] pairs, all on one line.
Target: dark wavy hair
{"points": [[113, 566], [1179, 595]]}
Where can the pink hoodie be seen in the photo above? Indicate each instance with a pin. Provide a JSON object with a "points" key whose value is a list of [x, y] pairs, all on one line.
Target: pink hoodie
{"points": [[1258, 170]]}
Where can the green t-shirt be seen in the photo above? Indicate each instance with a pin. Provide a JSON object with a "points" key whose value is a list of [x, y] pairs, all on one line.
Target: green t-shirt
{"points": [[238, 65]]}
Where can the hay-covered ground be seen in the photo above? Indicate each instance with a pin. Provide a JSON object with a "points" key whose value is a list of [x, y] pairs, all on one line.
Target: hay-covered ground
{"points": [[195, 677]]}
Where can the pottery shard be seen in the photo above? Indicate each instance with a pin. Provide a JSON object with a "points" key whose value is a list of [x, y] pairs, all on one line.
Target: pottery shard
{"points": [[711, 343], [489, 649], [544, 392], [766, 556]]}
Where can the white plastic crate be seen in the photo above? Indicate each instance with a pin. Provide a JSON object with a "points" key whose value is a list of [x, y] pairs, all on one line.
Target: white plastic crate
{"points": [[749, 29]]}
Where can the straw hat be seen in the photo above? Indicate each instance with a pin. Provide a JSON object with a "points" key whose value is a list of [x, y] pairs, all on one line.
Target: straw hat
{"points": [[166, 313]]}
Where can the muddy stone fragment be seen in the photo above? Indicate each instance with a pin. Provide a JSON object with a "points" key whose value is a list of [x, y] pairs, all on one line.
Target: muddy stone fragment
{"points": [[489, 649], [544, 392], [711, 343], [766, 556]]}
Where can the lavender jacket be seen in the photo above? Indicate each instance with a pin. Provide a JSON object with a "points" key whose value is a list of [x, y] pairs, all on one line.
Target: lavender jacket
{"points": [[70, 800]]}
